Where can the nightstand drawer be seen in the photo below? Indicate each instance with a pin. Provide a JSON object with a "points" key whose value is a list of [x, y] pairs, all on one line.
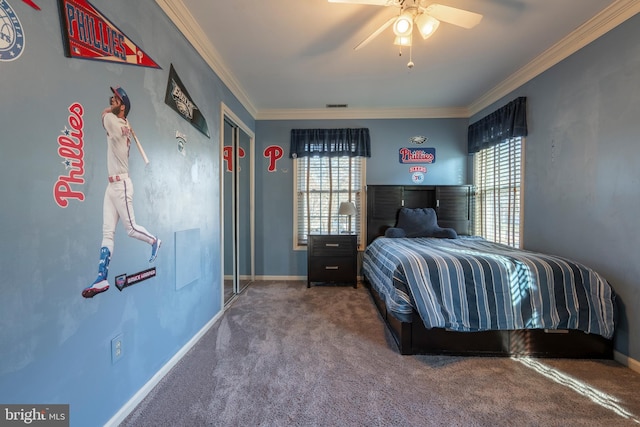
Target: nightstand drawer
{"points": [[332, 258], [332, 246], [332, 269]]}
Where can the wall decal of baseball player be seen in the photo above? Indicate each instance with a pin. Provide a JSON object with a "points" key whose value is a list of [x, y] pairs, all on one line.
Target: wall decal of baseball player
{"points": [[118, 197]]}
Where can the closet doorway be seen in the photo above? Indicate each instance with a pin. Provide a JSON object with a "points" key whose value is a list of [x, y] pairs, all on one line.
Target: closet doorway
{"points": [[237, 188]]}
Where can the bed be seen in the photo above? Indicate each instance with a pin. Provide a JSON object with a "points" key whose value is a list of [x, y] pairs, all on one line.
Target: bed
{"points": [[463, 295]]}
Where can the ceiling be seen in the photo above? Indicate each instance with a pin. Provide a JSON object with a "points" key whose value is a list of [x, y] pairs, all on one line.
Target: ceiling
{"points": [[288, 59]]}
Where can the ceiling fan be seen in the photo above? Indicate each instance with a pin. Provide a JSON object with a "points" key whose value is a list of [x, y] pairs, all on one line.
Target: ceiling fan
{"points": [[420, 14]]}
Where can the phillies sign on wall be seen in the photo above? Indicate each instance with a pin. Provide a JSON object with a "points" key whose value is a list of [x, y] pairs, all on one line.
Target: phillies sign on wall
{"points": [[417, 155], [88, 34]]}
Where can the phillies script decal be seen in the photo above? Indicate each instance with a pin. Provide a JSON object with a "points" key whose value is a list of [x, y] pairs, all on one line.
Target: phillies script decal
{"points": [[88, 34], [273, 153], [417, 155], [71, 149]]}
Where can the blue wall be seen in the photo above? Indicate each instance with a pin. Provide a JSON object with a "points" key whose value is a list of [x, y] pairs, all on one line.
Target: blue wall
{"points": [[581, 196], [275, 255], [55, 344]]}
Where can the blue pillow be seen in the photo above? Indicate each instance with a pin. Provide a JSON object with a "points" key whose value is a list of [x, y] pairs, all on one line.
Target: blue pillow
{"points": [[394, 232], [422, 222]]}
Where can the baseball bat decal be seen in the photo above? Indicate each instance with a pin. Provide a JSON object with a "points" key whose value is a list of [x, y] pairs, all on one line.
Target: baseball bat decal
{"points": [[32, 4], [142, 153]]}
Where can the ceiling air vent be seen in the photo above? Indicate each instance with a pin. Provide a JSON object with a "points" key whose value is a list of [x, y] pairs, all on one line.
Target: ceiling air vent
{"points": [[337, 105]]}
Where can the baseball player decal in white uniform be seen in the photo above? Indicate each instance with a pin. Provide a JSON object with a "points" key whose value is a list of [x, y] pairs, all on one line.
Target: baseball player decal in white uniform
{"points": [[118, 197]]}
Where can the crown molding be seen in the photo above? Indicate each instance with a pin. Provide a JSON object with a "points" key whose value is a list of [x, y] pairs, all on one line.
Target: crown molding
{"points": [[362, 113], [187, 25], [609, 18]]}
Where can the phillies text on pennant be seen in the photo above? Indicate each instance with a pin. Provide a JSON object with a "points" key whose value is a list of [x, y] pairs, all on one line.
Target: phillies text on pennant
{"points": [[88, 34], [179, 99], [417, 155]]}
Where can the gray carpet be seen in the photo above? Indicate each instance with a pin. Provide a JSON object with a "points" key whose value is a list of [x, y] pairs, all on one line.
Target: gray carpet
{"points": [[285, 355]]}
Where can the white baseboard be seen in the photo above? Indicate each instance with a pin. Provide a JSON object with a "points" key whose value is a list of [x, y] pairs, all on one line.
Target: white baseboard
{"points": [[281, 278], [286, 278], [630, 363], [146, 389]]}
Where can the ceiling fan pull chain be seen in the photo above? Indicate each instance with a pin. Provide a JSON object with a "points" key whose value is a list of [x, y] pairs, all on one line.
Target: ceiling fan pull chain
{"points": [[410, 64]]}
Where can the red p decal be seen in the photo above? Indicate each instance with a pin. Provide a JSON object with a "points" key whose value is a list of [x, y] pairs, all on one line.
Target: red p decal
{"points": [[227, 156], [273, 153]]}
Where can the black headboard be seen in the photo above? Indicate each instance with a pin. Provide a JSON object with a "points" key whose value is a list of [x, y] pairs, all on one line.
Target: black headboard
{"points": [[453, 205]]}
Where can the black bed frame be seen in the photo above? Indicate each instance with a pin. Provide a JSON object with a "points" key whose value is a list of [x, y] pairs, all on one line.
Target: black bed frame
{"points": [[383, 203]]}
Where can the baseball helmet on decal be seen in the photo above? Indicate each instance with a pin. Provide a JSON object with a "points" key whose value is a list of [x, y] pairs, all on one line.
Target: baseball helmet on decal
{"points": [[124, 98]]}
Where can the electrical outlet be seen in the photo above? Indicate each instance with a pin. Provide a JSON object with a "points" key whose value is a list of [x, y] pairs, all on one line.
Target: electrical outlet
{"points": [[116, 348]]}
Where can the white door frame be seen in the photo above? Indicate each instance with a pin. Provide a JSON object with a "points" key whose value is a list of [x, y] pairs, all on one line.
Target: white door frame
{"points": [[226, 112]]}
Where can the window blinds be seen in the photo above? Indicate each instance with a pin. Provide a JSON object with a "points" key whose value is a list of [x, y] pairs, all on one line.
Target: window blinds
{"points": [[497, 178]]}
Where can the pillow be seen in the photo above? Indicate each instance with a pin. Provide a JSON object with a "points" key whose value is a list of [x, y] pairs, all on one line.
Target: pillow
{"points": [[394, 232], [445, 233], [422, 222]]}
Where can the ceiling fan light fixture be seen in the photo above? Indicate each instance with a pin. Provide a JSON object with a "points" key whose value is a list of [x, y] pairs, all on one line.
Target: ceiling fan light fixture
{"points": [[403, 25], [427, 25], [402, 40]]}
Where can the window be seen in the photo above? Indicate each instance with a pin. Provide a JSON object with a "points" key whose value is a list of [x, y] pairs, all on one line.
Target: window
{"points": [[321, 184], [496, 142], [497, 178]]}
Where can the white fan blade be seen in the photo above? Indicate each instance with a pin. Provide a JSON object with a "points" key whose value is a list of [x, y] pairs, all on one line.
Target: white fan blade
{"points": [[452, 15], [373, 35], [372, 2]]}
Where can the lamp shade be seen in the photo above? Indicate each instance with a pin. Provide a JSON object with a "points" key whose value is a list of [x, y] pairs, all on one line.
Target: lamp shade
{"points": [[347, 208], [404, 24], [402, 40], [427, 25]]}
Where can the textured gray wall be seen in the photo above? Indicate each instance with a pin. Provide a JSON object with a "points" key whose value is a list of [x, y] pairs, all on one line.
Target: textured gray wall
{"points": [[55, 344]]}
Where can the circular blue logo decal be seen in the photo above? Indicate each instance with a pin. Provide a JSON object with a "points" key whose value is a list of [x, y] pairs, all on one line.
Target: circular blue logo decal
{"points": [[11, 37], [417, 178]]}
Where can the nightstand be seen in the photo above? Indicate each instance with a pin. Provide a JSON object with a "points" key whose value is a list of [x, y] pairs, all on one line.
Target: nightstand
{"points": [[332, 258]]}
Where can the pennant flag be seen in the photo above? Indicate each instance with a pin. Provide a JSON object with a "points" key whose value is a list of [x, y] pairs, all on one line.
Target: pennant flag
{"points": [[32, 4], [179, 99], [88, 34]]}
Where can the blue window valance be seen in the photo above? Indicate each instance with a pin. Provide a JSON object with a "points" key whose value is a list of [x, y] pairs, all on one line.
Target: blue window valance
{"points": [[507, 122], [330, 142]]}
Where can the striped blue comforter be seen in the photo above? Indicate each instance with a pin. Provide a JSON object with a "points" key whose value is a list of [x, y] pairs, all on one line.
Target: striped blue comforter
{"points": [[471, 284]]}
